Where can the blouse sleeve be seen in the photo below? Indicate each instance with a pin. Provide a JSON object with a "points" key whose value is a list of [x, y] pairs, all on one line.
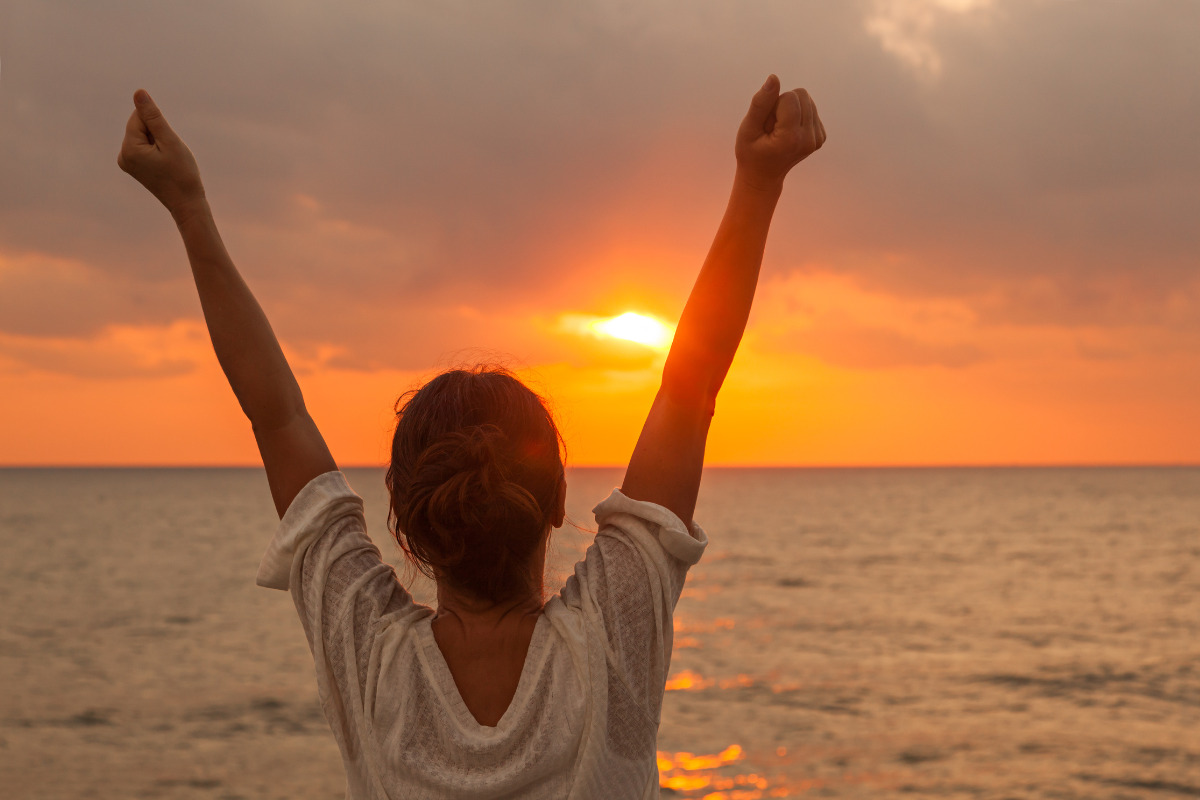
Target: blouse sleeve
{"points": [[628, 582], [342, 589]]}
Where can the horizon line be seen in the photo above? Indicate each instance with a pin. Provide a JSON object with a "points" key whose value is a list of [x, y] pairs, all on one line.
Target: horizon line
{"points": [[897, 465]]}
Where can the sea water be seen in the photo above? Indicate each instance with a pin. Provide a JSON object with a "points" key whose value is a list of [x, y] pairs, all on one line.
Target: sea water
{"points": [[950, 633]]}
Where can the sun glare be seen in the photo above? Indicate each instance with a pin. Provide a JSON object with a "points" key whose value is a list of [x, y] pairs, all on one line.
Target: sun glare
{"points": [[636, 327]]}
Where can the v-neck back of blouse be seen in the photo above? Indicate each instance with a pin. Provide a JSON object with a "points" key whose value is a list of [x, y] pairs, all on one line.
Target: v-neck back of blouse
{"points": [[441, 676]]}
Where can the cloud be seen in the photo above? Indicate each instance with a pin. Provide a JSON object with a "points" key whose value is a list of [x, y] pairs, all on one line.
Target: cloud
{"points": [[864, 347], [376, 167], [42, 294], [905, 28], [839, 322], [117, 352]]}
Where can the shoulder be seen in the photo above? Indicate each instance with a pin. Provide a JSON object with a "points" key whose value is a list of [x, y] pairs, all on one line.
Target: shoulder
{"points": [[318, 494], [323, 503], [649, 524]]}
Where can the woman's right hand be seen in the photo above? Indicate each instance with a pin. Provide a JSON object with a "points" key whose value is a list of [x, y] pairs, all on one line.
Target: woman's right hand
{"points": [[779, 131], [158, 159]]}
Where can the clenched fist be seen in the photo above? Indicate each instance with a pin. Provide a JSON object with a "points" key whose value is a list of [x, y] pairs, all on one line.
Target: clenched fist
{"points": [[159, 160], [779, 131]]}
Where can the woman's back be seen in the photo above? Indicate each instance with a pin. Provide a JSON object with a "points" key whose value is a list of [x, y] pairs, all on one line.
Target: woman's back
{"points": [[584, 710]]}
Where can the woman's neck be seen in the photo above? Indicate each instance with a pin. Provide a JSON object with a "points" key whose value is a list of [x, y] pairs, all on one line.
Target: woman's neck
{"points": [[477, 613], [473, 612]]}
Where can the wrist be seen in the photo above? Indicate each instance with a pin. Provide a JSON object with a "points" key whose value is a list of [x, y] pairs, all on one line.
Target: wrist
{"points": [[758, 183], [192, 207]]}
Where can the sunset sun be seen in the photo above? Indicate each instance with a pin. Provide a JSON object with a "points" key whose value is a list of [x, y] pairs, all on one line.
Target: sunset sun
{"points": [[636, 327]]}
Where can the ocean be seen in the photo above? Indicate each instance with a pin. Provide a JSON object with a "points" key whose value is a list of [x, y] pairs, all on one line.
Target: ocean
{"points": [[850, 633]]}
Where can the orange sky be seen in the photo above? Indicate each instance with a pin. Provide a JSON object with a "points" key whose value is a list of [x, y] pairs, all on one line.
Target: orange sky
{"points": [[993, 261]]}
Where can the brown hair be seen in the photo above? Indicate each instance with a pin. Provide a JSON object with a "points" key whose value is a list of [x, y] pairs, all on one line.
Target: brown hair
{"points": [[474, 479]]}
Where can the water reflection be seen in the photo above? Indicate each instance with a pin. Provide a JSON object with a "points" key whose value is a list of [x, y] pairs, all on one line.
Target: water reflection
{"points": [[691, 681], [717, 777]]}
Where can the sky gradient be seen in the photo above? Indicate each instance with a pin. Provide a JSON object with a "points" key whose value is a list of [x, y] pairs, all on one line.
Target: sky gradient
{"points": [[993, 260]]}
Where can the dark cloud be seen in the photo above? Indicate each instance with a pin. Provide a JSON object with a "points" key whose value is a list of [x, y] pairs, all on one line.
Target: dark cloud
{"points": [[41, 296], [483, 154]]}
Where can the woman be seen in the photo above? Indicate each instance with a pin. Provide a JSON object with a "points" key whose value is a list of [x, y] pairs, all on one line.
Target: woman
{"points": [[498, 693]]}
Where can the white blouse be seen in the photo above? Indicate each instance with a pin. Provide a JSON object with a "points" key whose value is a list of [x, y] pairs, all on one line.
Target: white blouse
{"points": [[584, 720]]}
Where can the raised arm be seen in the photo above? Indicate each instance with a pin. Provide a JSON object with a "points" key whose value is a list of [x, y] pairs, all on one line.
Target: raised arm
{"points": [[778, 132], [292, 449]]}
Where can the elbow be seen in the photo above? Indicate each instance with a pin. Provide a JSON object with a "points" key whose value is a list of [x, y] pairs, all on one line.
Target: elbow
{"points": [[691, 386], [695, 371], [272, 416]]}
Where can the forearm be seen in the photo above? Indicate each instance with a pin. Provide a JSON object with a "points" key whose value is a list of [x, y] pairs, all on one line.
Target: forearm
{"points": [[718, 307], [242, 338], [778, 132]]}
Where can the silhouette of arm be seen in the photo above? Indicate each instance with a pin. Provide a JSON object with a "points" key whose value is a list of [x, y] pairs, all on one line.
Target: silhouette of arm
{"points": [[292, 448], [777, 133]]}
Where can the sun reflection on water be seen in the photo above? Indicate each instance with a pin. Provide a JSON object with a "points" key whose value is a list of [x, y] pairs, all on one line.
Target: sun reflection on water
{"points": [[691, 681], [688, 681], [718, 624], [708, 777], [733, 774]]}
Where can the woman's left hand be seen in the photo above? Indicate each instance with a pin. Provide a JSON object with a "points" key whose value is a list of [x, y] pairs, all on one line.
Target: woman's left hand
{"points": [[158, 159]]}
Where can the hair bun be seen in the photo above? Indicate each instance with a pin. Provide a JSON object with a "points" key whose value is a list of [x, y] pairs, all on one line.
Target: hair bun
{"points": [[478, 445], [462, 494], [475, 479], [470, 464]]}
